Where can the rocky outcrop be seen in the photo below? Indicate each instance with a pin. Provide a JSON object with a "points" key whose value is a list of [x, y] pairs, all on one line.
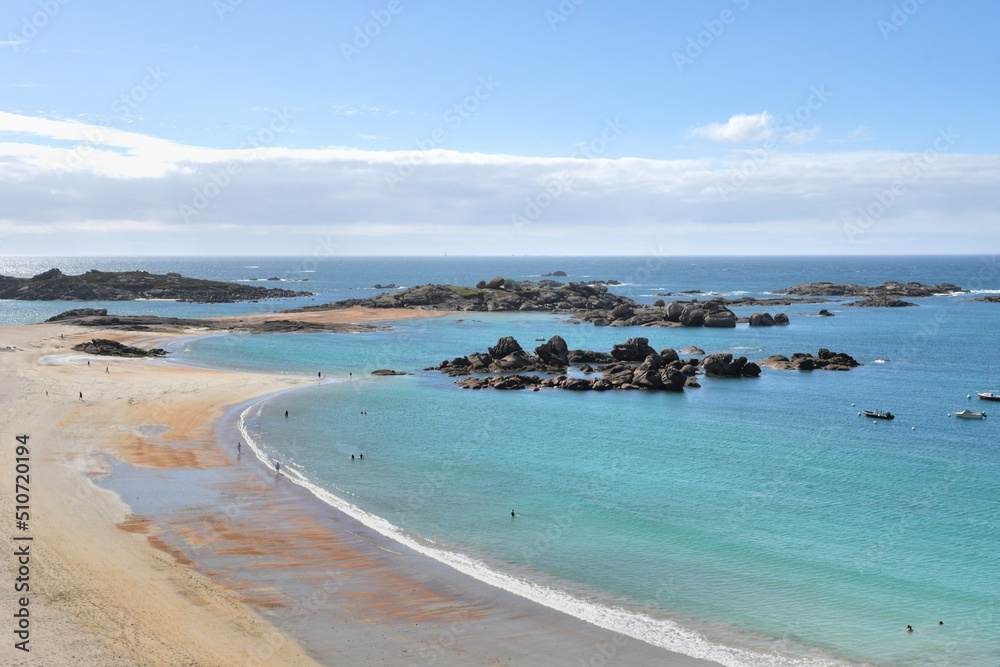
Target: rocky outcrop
{"points": [[498, 294], [78, 313], [634, 349], [631, 365], [112, 348], [803, 361], [889, 288], [54, 285], [555, 274], [505, 346], [880, 302], [386, 371], [990, 298], [554, 353], [765, 320], [590, 301], [381, 286], [724, 365]]}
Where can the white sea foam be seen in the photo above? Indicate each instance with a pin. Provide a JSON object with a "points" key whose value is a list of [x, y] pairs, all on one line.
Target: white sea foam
{"points": [[664, 633]]}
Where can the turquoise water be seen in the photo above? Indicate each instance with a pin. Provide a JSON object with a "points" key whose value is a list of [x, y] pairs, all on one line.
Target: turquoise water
{"points": [[764, 514]]}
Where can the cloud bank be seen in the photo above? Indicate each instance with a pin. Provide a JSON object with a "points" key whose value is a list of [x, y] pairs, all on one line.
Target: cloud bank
{"points": [[72, 188]]}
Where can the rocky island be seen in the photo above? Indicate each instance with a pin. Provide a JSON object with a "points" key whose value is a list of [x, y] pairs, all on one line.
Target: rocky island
{"points": [[888, 289], [633, 364], [588, 302], [54, 285]]}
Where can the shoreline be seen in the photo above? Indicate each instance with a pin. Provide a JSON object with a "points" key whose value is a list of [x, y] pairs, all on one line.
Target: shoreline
{"points": [[134, 566]]}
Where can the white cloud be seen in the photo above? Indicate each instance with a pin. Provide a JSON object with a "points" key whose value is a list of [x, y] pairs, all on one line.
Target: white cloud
{"points": [[72, 188], [741, 127]]}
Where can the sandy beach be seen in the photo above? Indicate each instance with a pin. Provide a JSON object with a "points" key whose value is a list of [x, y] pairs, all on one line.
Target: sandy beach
{"points": [[155, 543]]}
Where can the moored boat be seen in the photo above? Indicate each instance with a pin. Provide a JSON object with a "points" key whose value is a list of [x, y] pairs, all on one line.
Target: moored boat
{"points": [[879, 414], [988, 394], [970, 414]]}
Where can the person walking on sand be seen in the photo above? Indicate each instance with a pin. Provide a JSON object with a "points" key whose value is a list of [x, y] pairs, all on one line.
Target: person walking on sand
{"points": [[277, 467], [239, 446], [81, 395], [106, 370]]}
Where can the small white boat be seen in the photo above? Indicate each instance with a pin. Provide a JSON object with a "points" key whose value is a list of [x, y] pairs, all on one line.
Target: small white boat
{"points": [[970, 414], [988, 394]]}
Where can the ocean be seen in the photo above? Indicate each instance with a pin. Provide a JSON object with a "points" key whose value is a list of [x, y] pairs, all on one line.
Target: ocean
{"points": [[751, 521]]}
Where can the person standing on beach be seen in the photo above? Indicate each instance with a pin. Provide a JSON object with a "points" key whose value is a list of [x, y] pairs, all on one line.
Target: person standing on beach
{"points": [[277, 467], [239, 446], [81, 395], [286, 414]]}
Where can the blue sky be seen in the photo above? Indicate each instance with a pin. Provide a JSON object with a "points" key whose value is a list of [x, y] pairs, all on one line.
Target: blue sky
{"points": [[583, 127]]}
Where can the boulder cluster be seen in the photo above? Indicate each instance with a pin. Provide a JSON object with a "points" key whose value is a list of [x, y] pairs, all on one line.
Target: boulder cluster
{"points": [[633, 364], [803, 361], [112, 348]]}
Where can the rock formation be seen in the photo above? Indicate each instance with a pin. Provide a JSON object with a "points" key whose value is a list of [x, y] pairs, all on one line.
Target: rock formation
{"points": [[803, 361], [112, 348], [54, 285]]}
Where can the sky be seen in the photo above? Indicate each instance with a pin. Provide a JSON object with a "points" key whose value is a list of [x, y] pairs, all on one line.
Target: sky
{"points": [[545, 127]]}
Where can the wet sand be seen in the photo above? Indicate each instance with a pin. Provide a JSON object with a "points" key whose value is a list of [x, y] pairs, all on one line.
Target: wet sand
{"points": [[157, 544]]}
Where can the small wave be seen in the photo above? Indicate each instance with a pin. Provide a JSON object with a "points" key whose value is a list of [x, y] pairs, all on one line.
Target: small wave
{"points": [[881, 361]]}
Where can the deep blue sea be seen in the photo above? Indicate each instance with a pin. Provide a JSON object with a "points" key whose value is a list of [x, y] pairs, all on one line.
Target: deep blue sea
{"points": [[754, 522]]}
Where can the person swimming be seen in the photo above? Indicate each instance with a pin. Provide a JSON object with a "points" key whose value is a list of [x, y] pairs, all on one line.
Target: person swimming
{"points": [[512, 513]]}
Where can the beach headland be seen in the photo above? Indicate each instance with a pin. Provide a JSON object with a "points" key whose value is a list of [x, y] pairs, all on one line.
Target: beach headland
{"points": [[154, 542]]}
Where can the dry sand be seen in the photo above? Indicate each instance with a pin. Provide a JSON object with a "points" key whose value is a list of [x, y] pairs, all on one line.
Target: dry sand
{"points": [[226, 564]]}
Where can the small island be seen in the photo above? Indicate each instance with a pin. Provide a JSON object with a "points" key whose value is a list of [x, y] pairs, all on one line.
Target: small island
{"points": [[588, 302], [888, 289], [54, 285], [633, 364]]}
